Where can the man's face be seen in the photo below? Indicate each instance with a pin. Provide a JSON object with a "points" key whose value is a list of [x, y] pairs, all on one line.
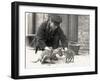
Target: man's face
{"points": [[54, 25]]}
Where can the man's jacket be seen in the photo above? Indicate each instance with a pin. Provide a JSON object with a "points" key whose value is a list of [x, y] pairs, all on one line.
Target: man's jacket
{"points": [[46, 37]]}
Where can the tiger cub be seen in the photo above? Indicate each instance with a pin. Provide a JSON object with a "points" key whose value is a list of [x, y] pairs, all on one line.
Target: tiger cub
{"points": [[69, 55]]}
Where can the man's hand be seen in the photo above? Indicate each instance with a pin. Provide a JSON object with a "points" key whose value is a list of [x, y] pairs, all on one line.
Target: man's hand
{"points": [[48, 48]]}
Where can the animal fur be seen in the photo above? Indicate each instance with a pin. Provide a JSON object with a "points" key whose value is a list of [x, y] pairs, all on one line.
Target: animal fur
{"points": [[44, 56], [69, 55], [49, 55]]}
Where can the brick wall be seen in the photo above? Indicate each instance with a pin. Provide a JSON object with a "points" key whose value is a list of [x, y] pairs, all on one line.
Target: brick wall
{"points": [[83, 32]]}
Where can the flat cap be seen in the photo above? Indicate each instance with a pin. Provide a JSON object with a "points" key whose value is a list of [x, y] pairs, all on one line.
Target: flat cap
{"points": [[55, 18]]}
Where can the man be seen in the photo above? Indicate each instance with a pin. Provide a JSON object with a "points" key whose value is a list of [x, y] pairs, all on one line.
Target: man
{"points": [[50, 35]]}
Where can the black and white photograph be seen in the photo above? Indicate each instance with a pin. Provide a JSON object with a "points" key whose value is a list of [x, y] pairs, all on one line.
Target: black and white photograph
{"points": [[57, 39], [51, 40]]}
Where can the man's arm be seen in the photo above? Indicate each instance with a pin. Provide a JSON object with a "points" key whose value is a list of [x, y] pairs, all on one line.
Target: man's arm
{"points": [[40, 43], [64, 41]]}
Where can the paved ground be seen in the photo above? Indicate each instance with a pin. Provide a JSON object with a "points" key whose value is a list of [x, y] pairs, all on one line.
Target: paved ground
{"points": [[79, 60]]}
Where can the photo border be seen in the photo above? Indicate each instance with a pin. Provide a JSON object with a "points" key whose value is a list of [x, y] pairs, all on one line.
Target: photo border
{"points": [[15, 39]]}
